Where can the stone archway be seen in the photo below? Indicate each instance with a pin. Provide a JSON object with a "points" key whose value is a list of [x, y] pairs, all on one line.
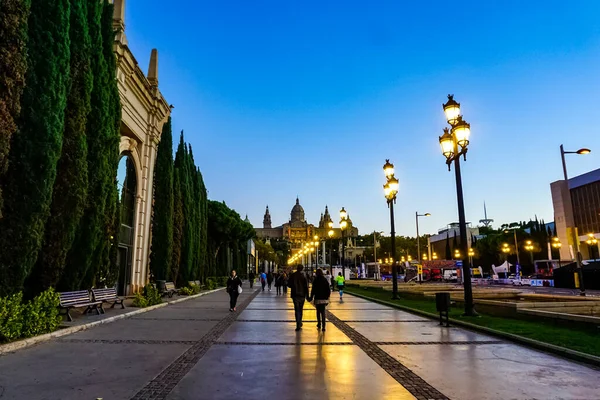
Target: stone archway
{"points": [[144, 110], [127, 182]]}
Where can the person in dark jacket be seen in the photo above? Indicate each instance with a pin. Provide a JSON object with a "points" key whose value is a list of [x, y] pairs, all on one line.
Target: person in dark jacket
{"points": [[234, 283], [299, 292], [279, 283], [270, 279], [320, 293], [251, 278]]}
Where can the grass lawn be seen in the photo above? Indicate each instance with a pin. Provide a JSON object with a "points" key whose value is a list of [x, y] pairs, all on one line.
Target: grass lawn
{"points": [[580, 339]]}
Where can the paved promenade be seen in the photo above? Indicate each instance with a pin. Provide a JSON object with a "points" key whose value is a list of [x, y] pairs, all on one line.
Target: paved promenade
{"points": [[196, 349]]}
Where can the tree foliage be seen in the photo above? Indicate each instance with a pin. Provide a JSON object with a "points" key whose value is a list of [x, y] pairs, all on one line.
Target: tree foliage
{"points": [[36, 146], [70, 186], [161, 254], [13, 64]]}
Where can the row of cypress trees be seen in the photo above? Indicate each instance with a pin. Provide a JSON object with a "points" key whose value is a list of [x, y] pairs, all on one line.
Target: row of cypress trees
{"points": [[193, 238], [180, 218], [59, 189]]}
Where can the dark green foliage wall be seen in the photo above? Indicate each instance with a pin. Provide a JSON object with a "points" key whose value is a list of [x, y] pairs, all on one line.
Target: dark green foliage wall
{"points": [[13, 64], [92, 238], [177, 224], [104, 269], [36, 145], [70, 187], [161, 254]]}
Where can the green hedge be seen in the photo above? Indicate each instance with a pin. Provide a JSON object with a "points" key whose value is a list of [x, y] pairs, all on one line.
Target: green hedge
{"points": [[21, 320], [149, 296], [214, 282]]}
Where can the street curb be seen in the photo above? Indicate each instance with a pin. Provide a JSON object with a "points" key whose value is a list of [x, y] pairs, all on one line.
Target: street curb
{"points": [[21, 344], [549, 348]]}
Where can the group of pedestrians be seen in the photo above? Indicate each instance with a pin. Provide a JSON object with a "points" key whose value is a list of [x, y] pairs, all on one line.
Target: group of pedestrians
{"points": [[298, 284]]}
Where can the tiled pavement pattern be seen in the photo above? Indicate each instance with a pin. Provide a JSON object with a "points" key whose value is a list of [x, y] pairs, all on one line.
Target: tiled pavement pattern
{"points": [[198, 350]]}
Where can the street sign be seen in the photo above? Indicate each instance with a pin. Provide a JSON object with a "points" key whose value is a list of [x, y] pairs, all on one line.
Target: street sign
{"points": [[419, 269]]}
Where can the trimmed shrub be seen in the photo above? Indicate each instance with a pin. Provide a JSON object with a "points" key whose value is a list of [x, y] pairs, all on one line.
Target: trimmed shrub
{"points": [[41, 314], [35, 317], [149, 296], [11, 322]]}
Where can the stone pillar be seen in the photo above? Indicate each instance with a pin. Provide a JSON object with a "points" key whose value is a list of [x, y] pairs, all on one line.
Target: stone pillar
{"points": [[563, 216]]}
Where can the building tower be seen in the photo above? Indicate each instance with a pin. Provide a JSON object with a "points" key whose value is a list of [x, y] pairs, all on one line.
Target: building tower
{"points": [[485, 221], [267, 219]]}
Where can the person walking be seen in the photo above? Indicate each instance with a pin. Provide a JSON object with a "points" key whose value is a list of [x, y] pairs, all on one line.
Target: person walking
{"points": [[340, 284], [263, 280], [279, 283], [251, 278], [284, 283], [234, 288], [320, 293], [270, 279], [299, 292]]}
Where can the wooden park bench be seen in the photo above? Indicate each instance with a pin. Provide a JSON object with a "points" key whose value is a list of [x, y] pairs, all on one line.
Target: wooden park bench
{"points": [[170, 289], [78, 299], [107, 295]]}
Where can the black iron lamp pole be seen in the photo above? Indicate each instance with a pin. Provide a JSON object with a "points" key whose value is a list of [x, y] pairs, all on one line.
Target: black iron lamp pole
{"points": [[390, 190], [343, 225], [454, 143]]}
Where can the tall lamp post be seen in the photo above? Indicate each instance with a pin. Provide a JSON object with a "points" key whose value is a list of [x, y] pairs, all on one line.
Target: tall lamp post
{"points": [[343, 225], [417, 215], [574, 234], [390, 190], [516, 245], [454, 143], [529, 247], [330, 234]]}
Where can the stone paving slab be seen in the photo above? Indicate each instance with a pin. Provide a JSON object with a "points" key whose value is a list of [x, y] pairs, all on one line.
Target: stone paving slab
{"points": [[415, 332], [281, 332], [58, 370], [499, 371], [139, 329], [287, 372], [382, 315], [276, 315]]}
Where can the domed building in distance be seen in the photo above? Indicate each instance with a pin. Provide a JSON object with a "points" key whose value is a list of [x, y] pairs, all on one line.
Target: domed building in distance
{"points": [[297, 230]]}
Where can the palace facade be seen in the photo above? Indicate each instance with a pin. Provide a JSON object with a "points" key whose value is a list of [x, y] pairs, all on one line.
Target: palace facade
{"points": [[297, 230]]}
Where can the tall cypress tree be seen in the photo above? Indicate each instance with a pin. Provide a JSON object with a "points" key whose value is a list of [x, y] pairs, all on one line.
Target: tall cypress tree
{"points": [[101, 264], [89, 232], [70, 187], [182, 163], [37, 144], [203, 221], [178, 219], [13, 64], [162, 222]]}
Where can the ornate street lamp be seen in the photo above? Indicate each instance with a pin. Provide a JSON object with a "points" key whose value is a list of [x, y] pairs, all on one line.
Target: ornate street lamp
{"points": [[529, 247], [343, 226], [454, 143], [390, 190], [471, 254], [434, 255], [330, 235]]}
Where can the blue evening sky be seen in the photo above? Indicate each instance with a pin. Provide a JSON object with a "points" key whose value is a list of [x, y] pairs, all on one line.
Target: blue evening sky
{"points": [[308, 98]]}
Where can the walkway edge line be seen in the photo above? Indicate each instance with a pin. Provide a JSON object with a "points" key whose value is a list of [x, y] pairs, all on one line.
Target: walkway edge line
{"points": [[23, 343], [549, 348]]}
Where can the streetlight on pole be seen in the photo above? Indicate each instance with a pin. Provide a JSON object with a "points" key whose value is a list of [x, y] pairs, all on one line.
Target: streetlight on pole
{"points": [[454, 143], [516, 244], [330, 234], [390, 190], [471, 254], [343, 225], [417, 215], [529, 247], [574, 233]]}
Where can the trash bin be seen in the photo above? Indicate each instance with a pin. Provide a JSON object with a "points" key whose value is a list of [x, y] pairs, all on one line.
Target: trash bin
{"points": [[442, 304], [161, 285]]}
